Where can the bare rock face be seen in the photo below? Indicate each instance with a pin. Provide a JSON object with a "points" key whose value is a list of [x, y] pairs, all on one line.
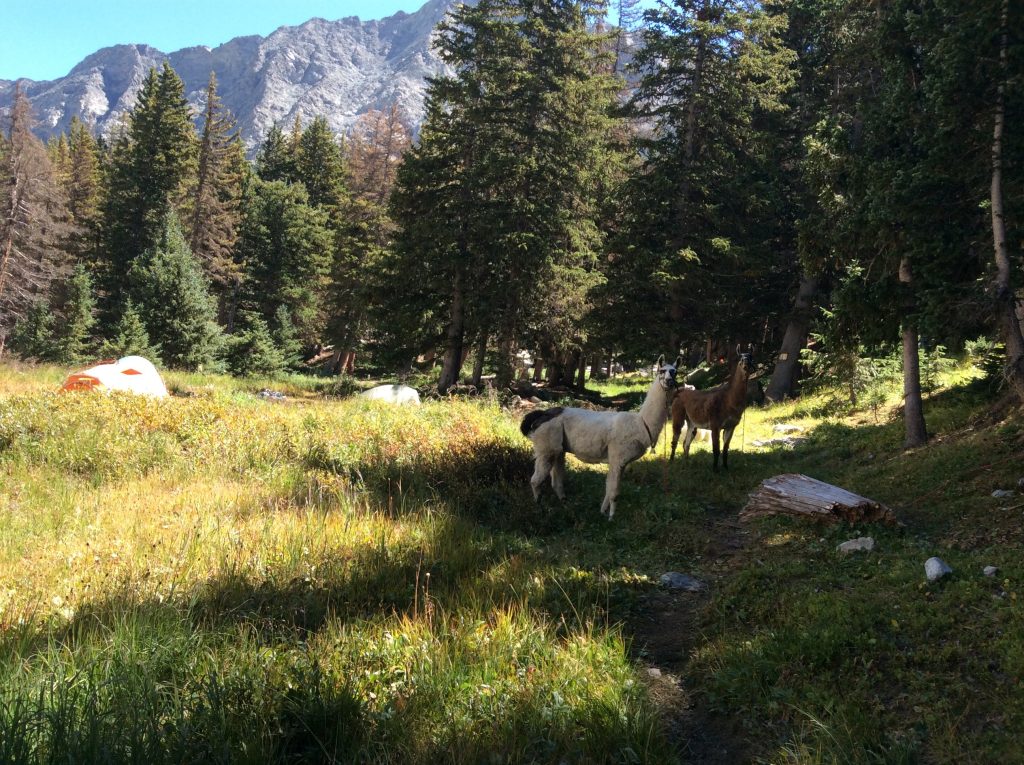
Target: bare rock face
{"points": [[337, 69]]}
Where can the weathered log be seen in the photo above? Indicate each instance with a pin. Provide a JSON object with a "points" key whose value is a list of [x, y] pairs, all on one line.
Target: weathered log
{"points": [[799, 495]]}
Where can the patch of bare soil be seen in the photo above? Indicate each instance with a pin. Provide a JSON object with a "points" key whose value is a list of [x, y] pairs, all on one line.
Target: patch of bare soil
{"points": [[665, 631]]}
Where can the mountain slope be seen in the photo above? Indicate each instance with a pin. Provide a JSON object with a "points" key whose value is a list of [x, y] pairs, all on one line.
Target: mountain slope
{"points": [[338, 69]]}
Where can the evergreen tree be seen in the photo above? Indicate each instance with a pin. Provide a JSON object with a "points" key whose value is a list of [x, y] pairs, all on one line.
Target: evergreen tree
{"points": [[174, 300], [700, 245], [32, 337], [319, 166], [73, 339], [285, 246], [498, 203], [275, 160], [84, 189], [216, 203], [253, 351], [129, 337], [151, 168], [286, 338], [33, 220]]}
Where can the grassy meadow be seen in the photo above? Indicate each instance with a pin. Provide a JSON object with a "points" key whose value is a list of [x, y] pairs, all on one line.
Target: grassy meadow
{"points": [[221, 578]]}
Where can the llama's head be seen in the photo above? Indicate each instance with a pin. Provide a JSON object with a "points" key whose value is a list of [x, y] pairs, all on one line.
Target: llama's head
{"points": [[746, 359], [665, 374]]}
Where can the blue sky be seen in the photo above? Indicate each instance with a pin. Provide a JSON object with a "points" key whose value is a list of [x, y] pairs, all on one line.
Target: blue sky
{"points": [[44, 39]]}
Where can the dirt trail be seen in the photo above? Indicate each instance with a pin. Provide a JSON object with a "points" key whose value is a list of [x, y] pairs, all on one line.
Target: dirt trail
{"points": [[664, 634]]}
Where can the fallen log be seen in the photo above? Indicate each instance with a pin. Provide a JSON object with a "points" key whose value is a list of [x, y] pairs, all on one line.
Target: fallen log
{"points": [[804, 497]]}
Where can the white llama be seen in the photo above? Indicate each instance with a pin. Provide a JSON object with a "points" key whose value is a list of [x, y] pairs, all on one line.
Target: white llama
{"points": [[617, 438]]}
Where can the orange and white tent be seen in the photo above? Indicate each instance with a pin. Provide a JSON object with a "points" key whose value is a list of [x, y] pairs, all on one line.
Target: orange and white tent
{"points": [[132, 373]]}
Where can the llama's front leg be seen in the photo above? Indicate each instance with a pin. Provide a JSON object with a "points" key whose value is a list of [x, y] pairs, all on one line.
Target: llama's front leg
{"points": [[691, 432], [611, 489], [676, 427], [558, 476], [727, 437], [541, 469], [714, 446]]}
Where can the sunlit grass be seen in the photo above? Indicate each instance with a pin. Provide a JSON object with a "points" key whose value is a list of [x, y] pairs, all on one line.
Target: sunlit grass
{"points": [[217, 577]]}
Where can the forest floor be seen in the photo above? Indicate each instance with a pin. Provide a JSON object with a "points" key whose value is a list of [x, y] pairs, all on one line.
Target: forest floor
{"points": [[221, 577]]}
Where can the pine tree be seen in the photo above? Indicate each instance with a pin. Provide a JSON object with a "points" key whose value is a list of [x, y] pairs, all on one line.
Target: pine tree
{"points": [[32, 337], [84, 189], [275, 160], [286, 338], [497, 206], [253, 350], [700, 225], [320, 167], [129, 337], [285, 244], [174, 300], [151, 168], [33, 220], [73, 339], [216, 204]]}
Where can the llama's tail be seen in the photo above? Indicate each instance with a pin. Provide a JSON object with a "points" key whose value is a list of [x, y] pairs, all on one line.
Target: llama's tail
{"points": [[535, 419]]}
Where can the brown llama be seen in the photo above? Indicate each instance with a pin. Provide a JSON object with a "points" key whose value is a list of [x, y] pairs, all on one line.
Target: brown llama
{"points": [[717, 409]]}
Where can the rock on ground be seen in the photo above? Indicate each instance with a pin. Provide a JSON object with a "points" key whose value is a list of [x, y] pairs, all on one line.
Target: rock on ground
{"points": [[936, 568], [676, 581], [990, 571], [860, 544]]}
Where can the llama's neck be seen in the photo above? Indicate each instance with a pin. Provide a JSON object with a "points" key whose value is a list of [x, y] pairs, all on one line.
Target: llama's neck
{"points": [[737, 394], [654, 411]]}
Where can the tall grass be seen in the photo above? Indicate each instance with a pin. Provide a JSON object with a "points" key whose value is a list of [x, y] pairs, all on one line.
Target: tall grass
{"points": [[218, 578]]}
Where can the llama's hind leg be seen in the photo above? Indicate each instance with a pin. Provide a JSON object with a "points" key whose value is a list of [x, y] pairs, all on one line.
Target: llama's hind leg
{"points": [[676, 427], [558, 476], [726, 438], [541, 469]]}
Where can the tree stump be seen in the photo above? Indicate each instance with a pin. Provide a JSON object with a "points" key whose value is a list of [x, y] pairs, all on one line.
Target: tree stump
{"points": [[798, 495]]}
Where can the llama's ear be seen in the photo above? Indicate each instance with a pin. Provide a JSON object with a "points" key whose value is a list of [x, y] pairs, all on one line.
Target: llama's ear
{"points": [[661, 361], [739, 348], [679, 361]]}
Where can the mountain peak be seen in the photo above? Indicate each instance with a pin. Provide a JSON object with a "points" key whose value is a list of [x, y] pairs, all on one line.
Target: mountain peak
{"points": [[338, 69]]}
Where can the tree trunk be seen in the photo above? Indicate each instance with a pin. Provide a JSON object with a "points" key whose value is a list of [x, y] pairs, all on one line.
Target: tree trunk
{"points": [[913, 408], [581, 372], [784, 374], [1005, 300], [452, 365], [506, 368], [481, 355]]}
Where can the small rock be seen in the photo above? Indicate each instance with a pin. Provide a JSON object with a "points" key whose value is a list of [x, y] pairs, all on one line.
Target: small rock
{"points": [[788, 429], [677, 581], [1020, 484], [860, 544], [653, 672], [273, 395], [534, 400], [990, 571], [936, 568], [1004, 493]]}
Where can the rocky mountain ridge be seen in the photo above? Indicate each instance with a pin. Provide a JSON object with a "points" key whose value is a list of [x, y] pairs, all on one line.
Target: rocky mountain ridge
{"points": [[338, 69]]}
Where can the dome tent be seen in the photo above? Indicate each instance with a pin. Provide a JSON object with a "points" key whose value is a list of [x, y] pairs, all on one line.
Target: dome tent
{"points": [[133, 374]]}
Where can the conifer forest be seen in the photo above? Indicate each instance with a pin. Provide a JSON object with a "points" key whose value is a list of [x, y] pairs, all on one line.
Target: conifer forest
{"points": [[701, 175]]}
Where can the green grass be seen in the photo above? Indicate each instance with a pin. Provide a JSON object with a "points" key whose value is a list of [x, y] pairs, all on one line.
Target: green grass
{"points": [[220, 578]]}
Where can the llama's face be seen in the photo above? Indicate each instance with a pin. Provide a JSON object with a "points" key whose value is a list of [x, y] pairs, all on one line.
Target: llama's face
{"points": [[666, 374], [747, 362]]}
